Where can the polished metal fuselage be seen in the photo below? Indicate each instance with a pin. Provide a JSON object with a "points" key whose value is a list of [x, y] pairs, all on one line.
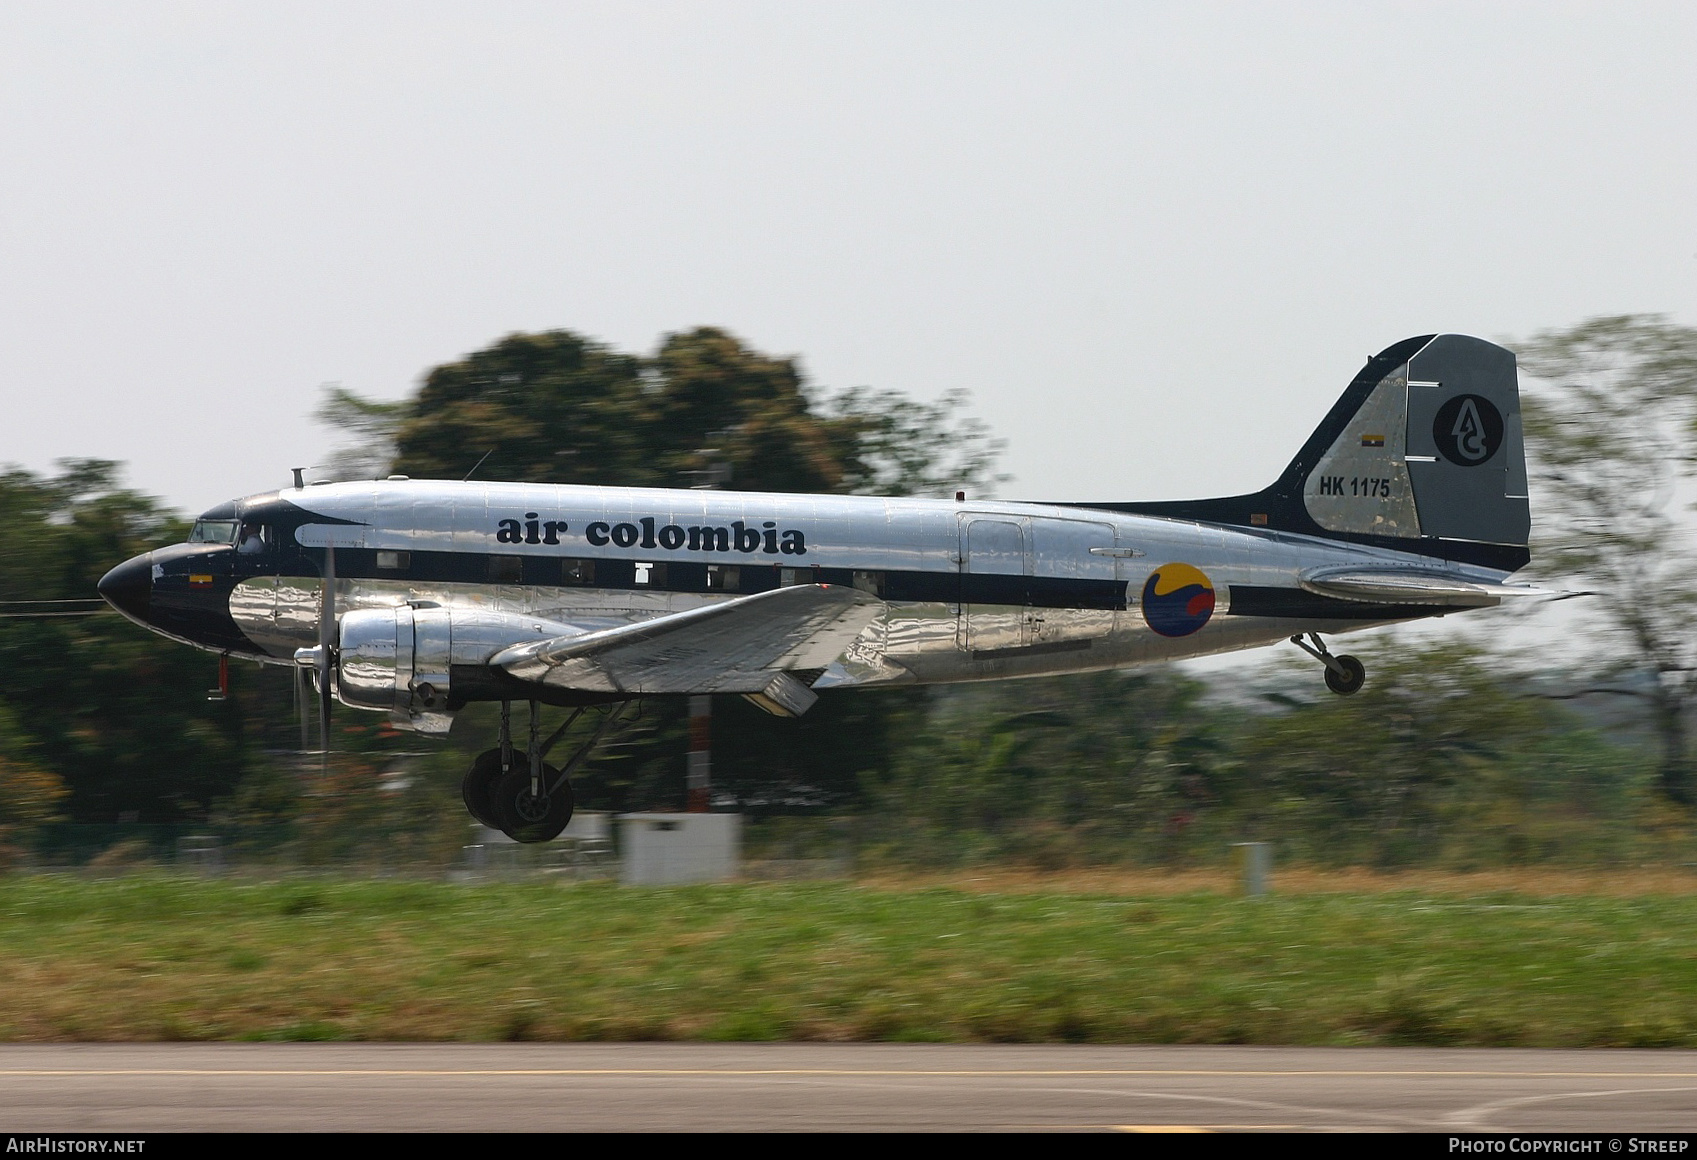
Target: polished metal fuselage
{"points": [[972, 590]]}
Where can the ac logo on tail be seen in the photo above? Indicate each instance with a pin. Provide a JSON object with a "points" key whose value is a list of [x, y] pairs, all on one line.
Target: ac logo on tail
{"points": [[1468, 430]]}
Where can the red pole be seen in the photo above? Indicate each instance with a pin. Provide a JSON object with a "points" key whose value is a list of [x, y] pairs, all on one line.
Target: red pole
{"points": [[222, 692]]}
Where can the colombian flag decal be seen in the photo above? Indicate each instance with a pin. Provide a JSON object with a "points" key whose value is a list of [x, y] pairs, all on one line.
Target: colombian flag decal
{"points": [[1178, 599], [199, 580]]}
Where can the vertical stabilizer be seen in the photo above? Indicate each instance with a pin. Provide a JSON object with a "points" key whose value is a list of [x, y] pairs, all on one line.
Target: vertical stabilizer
{"points": [[1423, 452], [1434, 450]]}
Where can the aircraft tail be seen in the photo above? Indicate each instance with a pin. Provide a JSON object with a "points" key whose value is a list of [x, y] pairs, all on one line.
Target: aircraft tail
{"points": [[1423, 453]]}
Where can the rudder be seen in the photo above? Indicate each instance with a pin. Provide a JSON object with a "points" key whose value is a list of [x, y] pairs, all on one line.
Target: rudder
{"points": [[1466, 449]]}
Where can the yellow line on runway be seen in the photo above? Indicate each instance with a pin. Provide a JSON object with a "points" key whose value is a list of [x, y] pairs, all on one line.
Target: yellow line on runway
{"points": [[25, 1072]]}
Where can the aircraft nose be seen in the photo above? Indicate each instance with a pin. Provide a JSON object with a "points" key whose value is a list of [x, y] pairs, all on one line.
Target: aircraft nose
{"points": [[129, 586]]}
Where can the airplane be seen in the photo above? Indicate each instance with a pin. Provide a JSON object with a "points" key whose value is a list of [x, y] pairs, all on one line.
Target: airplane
{"points": [[417, 597]]}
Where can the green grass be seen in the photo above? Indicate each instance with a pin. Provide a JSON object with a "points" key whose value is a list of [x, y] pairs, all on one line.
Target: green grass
{"points": [[148, 958]]}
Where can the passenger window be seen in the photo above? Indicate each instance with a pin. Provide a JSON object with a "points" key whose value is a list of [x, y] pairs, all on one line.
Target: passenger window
{"points": [[723, 578], [578, 571], [393, 561], [506, 569], [651, 575], [872, 582]]}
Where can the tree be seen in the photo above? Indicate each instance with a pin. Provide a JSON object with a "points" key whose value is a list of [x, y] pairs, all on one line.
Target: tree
{"points": [[30, 796], [543, 408], [1610, 422], [368, 427], [704, 410], [115, 712], [1093, 767], [905, 447], [729, 415], [1386, 776]]}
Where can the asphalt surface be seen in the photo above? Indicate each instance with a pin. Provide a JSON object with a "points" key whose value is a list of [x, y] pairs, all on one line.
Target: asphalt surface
{"points": [[775, 1087]]}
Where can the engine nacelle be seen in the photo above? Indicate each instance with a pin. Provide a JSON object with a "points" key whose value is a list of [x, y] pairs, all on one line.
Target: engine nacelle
{"points": [[396, 659], [399, 659]]}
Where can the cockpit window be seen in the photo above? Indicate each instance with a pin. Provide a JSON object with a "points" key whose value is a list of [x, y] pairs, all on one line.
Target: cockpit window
{"points": [[213, 532], [253, 538]]}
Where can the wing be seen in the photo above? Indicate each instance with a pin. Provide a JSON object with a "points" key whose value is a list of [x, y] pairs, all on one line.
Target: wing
{"points": [[737, 646], [1391, 586]]}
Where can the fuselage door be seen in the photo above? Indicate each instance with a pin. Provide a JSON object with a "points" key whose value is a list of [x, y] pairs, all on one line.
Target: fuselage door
{"points": [[1080, 581], [995, 582]]}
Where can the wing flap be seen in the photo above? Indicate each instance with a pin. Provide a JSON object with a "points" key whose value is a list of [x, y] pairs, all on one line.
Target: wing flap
{"points": [[1388, 586], [736, 646]]}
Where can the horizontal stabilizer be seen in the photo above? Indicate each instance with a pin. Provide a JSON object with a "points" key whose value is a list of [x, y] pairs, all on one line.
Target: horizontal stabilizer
{"points": [[1390, 586], [736, 646]]}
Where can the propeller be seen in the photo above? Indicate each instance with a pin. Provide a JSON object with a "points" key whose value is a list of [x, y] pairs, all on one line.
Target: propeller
{"points": [[325, 661], [321, 659], [300, 708]]}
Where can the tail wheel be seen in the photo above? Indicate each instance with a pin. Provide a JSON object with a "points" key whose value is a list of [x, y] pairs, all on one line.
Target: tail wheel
{"points": [[526, 817], [1350, 680], [478, 783]]}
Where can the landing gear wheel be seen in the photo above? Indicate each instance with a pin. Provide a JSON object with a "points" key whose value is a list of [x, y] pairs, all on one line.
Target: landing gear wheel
{"points": [[1349, 681], [525, 818], [479, 781]]}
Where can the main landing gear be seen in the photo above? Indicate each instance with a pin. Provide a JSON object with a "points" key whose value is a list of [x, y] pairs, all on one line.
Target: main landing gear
{"points": [[528, 800], [1344, 674]]}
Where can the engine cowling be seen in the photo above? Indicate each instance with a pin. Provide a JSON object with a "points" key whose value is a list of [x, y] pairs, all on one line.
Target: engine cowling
{"points": [[400, 659], [397, 659]]}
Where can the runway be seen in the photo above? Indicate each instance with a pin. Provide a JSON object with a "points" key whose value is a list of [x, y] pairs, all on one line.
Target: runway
{"points": [[843, 1087]]}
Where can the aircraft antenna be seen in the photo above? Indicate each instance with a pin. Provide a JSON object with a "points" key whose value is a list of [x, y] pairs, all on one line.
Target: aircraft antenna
{"points": [[35, 609], [477, 465]]}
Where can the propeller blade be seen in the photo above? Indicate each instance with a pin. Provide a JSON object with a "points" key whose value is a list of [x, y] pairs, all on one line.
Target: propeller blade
{"points": [[326, 650], [300, 707]]}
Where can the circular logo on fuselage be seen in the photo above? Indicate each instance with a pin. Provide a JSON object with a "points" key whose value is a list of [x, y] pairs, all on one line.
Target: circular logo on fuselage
{"points": [[1468, 430], [1178, 599]]}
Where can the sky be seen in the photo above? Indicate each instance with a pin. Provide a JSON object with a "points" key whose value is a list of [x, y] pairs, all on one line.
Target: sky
{"points": [[1155, 241]]}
